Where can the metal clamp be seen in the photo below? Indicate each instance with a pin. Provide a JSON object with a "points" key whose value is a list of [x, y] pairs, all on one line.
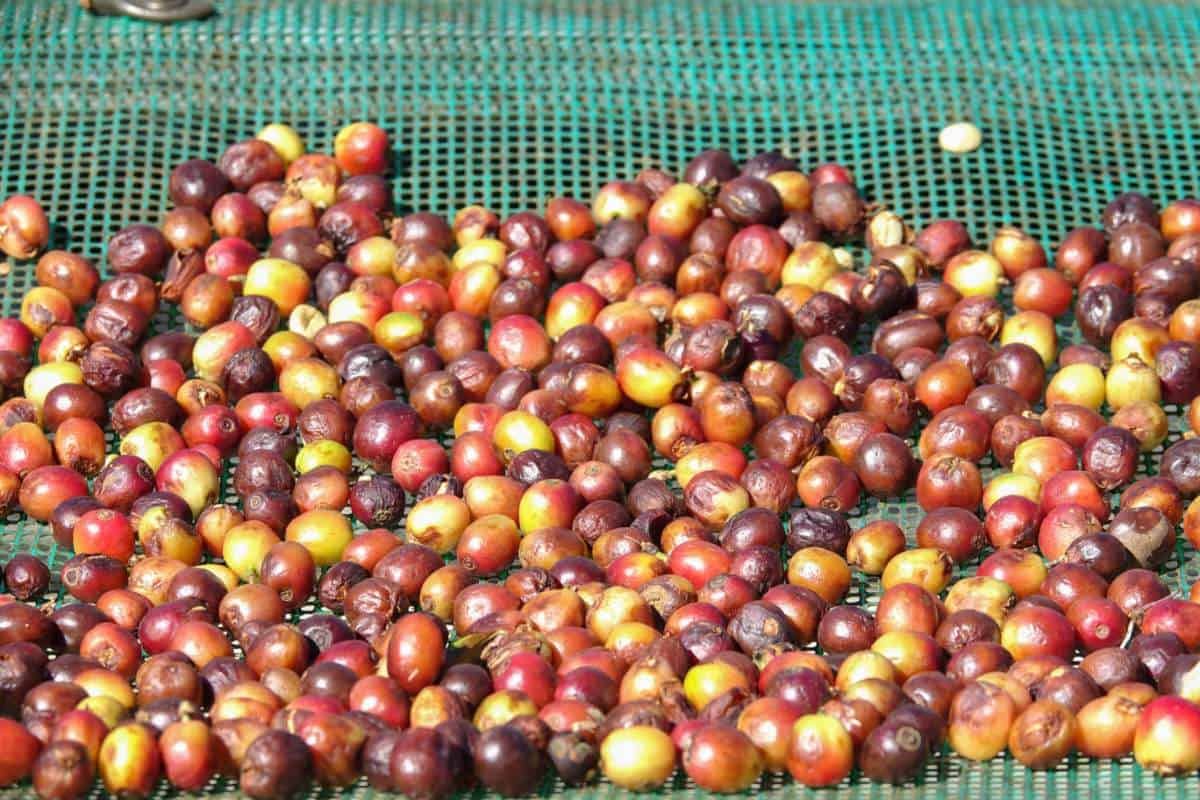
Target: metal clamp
{"points": [[152, 10]]}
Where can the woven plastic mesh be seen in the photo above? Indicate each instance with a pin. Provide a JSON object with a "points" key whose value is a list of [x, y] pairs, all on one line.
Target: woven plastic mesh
{"points": [[507, 104]]}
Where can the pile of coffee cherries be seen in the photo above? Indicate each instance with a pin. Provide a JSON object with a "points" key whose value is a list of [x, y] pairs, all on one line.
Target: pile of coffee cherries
{"points": [[545, 493]]}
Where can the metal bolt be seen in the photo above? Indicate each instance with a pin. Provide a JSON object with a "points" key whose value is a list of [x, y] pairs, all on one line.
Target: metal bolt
{"points": [[152, 10]]}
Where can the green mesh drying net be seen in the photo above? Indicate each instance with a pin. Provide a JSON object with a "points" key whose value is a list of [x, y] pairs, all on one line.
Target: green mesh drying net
{"points": [[510, 103]]}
